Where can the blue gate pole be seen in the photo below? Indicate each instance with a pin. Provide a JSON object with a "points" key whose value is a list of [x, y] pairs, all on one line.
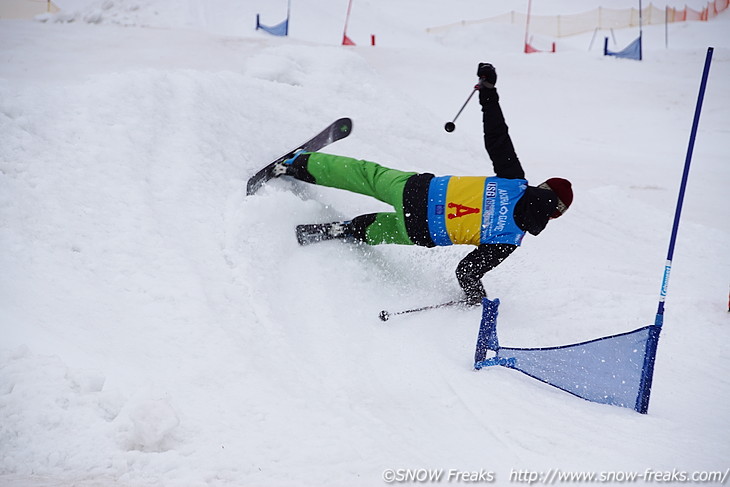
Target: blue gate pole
{"points": [[659, 321], [288, 14], [647, 373]]}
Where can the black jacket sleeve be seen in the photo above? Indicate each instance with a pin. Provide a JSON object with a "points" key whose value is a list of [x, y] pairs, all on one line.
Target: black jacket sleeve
{"points": [[496, 137], [472, 268]]}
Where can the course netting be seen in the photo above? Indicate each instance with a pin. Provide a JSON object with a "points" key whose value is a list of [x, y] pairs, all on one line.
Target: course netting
{"points": [[598, 18]]}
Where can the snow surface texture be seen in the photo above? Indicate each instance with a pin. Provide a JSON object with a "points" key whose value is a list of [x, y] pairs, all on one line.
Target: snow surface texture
{"points": [[160, 328]]}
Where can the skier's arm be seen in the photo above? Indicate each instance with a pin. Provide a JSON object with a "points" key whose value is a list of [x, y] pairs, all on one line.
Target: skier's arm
{"points": [[496, 134], [472, 268]]}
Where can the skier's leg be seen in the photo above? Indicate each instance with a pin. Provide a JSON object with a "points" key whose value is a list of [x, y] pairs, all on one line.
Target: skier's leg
{"points": [[372, 229], [363, 177], [380, 228], [358, 176]]}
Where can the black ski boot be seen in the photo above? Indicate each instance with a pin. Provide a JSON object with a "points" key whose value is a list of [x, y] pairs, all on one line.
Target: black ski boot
{"points": [[317, 232]]}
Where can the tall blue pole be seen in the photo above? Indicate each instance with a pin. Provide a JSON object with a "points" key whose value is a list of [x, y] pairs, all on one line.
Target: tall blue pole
{"points": [[647, 373], [659, 321]]}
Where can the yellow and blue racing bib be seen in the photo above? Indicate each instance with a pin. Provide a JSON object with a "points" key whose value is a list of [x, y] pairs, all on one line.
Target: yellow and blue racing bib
{"points": [[474, 210]]}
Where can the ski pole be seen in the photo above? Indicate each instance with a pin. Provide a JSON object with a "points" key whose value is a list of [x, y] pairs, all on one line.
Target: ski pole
{"points": [[449, 127], [385, 315]]}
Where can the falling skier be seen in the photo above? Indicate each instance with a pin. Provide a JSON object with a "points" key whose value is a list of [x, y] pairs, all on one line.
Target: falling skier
{"points": [[493, 213]]}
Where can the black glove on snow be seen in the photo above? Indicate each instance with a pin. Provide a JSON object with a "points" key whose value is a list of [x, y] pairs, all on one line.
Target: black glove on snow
{"points": [[487, 75]]}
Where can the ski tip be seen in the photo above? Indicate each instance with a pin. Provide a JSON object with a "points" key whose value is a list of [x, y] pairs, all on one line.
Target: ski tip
{"points": [[252, 187], [344, 126]]}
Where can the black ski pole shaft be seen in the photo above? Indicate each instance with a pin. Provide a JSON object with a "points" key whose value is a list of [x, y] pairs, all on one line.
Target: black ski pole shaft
{"points": [[450, 126], [385, 315]]}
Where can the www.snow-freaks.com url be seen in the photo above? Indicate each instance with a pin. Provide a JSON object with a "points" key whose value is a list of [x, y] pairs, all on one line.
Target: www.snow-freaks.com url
{"points": [[674, 476]]}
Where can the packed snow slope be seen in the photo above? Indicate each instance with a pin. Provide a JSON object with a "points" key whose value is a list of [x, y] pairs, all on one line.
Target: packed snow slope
{"points": [[161, 328]]}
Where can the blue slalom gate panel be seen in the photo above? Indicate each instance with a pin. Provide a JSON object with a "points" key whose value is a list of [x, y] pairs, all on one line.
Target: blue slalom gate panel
{"points": [[632, 51], [613, 370], [281, 29]]}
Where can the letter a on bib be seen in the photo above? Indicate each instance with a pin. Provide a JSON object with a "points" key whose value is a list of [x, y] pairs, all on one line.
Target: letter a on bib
{"points": [[461, 210]]}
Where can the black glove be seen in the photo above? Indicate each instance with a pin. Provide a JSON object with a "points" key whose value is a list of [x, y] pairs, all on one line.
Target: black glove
{"points": [[487, 75], [474, 299]]}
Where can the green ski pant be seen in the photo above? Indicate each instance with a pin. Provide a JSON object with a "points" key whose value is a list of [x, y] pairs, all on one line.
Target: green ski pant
{"points": [[370, 179]]}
